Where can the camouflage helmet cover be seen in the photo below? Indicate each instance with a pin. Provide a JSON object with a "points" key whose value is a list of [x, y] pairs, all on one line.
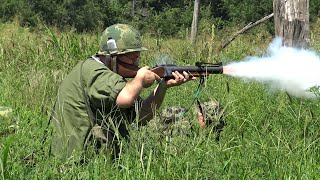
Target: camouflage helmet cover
{"points": [[120, 39]]}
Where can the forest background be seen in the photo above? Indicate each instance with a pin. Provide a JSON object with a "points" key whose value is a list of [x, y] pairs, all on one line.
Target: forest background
{"points": [[165, 17]]}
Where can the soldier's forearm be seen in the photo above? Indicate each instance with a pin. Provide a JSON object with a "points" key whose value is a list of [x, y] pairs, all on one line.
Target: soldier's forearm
{"points": [[129, 93], [152, 103]]}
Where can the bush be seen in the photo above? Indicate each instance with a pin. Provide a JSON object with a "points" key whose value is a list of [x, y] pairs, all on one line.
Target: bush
{"points": [[247, 10]]}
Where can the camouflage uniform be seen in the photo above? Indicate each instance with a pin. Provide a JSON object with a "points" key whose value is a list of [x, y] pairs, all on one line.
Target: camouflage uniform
{"points": [[93, 84], [213, 115], [174, 121]]}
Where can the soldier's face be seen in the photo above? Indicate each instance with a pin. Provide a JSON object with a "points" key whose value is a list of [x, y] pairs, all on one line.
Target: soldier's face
{"points": [[130, 58]]}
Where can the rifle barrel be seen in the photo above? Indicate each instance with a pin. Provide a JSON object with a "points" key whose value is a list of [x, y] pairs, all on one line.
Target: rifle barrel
{"points": [[207, 69], [192, 70]]}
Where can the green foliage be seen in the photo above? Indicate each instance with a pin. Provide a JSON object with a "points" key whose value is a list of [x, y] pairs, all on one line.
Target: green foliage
{"points": [[81, 16], [9, 9], [247, 10], [314, 10], [171, 21], [168, 18], [52, 12], [4, 159]]}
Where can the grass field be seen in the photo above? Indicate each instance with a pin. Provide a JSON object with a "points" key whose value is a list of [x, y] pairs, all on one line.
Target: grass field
{"points": [[268, 135]]}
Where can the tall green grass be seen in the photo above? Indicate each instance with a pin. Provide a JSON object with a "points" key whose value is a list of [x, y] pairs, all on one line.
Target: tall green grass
{"points": [[268, 135]]}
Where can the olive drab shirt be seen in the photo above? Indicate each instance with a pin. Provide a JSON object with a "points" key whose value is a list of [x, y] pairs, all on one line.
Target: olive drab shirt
{"points": [[70, 120]]}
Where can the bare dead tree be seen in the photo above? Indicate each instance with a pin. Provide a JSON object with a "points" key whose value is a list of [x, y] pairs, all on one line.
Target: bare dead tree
{"points": [[194, 26], [292, 22], [133, 7]]}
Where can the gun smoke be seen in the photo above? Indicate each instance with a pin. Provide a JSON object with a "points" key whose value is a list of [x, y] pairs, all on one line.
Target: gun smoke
{"points": [[162, 59], [284, 68]]}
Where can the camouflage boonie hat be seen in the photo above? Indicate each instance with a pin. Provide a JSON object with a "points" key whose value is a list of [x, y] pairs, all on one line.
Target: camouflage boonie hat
{"points": [[120, 39]]}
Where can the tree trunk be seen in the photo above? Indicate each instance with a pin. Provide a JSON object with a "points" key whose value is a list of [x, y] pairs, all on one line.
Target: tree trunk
{"points": [[194, 26], [133, 7], [291, 19]]}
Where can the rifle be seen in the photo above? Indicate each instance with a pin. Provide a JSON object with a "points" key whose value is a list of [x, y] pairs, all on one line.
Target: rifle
{"points": [[165, 71]]}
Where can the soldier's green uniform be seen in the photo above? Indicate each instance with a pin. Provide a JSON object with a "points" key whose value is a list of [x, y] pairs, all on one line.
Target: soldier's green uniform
{"points": [[70, 116], [73, 124]]}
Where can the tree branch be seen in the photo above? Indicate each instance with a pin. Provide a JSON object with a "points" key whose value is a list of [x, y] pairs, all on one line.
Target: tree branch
{"points": [[247, 27]]}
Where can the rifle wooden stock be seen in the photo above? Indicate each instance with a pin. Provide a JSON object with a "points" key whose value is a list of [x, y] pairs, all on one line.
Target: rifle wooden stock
{"points": [[165, 71]]}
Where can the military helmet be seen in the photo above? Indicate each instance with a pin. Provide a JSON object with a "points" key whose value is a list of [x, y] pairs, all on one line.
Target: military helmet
{"points": [[120, 39]]}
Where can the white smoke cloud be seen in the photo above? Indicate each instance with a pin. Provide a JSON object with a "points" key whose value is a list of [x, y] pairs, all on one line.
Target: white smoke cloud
{"points": [[285, 68]]}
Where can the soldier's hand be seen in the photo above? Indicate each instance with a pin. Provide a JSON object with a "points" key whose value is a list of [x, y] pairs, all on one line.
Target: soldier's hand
{"points": [[146, 77], [179, 79]]}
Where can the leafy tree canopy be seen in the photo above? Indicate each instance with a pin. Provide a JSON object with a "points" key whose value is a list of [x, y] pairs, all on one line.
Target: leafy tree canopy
{"points": [[155, 16]]}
